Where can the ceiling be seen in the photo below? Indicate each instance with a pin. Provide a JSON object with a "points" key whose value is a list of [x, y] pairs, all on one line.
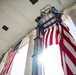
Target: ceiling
{"points": [[19, 16]]}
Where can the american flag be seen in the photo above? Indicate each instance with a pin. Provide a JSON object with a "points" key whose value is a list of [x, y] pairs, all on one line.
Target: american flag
{"points": [[51, 34], [10, 59], [8, 62], [68, 51], [60, 35]]}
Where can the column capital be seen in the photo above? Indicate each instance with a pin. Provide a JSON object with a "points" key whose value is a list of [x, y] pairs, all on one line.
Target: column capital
{"points": [[70, 8], [33, 33]]}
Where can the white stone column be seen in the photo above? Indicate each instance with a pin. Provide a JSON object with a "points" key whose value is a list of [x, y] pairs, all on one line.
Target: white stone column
{"points": [[70, 12], [28, 68], [72, 15]]}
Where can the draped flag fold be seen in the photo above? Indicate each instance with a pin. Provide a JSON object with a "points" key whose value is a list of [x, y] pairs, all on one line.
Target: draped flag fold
{"points": [[68, 51], [60, 34], [10, 59]]}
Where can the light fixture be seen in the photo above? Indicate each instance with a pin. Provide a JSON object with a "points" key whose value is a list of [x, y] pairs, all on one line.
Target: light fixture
{"points": [[33, 1], [5, 27]]}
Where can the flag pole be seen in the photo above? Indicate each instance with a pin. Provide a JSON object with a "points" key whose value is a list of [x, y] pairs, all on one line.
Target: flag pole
{"points": [[37, 67]]}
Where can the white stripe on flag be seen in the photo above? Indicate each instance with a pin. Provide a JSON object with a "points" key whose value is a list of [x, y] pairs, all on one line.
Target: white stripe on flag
{"points": [[48, 39], [64, 64], [58, 33], [44, 20], [47, 18], [70, 64], [70, 37], [45, 39], [69, 47]]}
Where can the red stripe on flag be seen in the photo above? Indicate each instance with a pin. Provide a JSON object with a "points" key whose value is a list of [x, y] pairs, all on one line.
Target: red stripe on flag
{"points": [[69, 72], [66, 29], [44, 36], [68, 40], [46, 40], [60, 45], [51, 36], [56, 36], [72, 58]]}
